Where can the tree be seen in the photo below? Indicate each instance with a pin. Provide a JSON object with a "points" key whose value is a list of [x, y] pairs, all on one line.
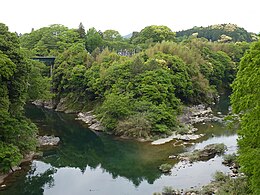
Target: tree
{"points": [[154, 34], [81, 31], [112, 35], [219, 32], [93, 40], [17, 134], [39, 83], [48, 41], [246, 102]]}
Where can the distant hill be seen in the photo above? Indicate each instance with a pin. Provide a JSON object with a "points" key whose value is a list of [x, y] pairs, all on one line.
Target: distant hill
{"points": [[220, 33], [128, 36]]}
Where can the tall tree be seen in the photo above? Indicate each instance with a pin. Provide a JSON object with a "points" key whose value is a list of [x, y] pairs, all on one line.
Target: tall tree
{"points": [[112, 35], [17, 134], [81, 31], [154, 34], [246, 102], [93, 40]]}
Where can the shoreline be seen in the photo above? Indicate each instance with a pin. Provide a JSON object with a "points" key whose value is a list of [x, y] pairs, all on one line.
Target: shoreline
{"points": [[43, 141], [190, 116], [28, 158]]}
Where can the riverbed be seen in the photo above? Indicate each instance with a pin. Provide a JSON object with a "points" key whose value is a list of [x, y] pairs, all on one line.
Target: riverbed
{"points": [[87, 162]]}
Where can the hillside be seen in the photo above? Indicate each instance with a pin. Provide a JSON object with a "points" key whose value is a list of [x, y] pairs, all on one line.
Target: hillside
{"points": [[219, 32]]}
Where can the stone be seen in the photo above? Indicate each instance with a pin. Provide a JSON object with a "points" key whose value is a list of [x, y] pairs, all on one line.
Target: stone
{"points": [[48, 140], [186, 137], [90, 119], [208, 152], [44, 103]]}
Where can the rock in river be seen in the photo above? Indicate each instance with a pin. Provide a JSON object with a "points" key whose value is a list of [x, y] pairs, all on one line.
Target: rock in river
{"points": [[208, 152], [48, 140]]}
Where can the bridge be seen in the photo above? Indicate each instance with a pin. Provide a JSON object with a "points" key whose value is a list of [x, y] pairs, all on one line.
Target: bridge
{"points": [[49, 61]]}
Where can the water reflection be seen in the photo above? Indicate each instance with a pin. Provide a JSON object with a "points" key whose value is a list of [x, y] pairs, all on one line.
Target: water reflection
{"points": [[90, 163], [82, 148]]}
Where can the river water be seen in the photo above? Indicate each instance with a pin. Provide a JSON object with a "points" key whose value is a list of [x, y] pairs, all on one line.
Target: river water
{"points": [[89, 163]]}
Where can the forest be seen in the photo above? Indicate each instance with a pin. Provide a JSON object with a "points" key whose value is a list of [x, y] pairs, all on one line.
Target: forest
{"points": [[136, 86]]}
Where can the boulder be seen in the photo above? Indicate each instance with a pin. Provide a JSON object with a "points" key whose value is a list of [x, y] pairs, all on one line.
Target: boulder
{"points": [[90, 119], [48, 140], [44, 103], [208, 152], [199, 114]]}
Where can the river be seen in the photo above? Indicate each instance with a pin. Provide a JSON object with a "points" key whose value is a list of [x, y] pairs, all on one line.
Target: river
{"points": [[86, 162]]}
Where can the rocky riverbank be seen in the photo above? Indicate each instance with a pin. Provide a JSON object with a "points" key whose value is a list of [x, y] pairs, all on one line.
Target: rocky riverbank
{"points": [[189, 117], [27, 158], [44, 103], [199, 114], [60, 106], [42, 141], [90, 119], [87, 117]]}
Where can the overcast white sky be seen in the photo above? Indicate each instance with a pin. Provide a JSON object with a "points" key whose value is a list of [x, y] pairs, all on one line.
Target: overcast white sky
{"points": [[128, 16]]}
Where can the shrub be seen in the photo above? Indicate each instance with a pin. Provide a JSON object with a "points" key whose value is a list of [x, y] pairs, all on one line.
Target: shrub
{"points": [[9, 156], [168, 190], [229, 159], [134, 126], [165, 168], [220, 176]]}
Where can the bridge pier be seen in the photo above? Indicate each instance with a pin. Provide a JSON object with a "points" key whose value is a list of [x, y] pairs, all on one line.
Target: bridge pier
{"points": [[49, 61]]}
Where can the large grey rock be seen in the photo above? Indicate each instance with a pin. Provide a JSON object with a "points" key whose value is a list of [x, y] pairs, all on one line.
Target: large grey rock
{"points": [[186, 137], [44, 103], [48, 140], [208, 152], [90, 119]]}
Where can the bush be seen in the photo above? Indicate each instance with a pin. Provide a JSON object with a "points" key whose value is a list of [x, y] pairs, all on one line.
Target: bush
{"points": [[225, 185], [168, 190], [220, 176], [236, 186], [134, 126], [9, 156], [229, 159], [165, 168]]}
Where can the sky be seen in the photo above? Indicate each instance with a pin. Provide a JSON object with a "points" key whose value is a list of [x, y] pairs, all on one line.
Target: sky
{"points": [[128, 16]]}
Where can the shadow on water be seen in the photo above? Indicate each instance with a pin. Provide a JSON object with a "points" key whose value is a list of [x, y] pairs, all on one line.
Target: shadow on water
{"points": [[82, 148], [86, 161]]}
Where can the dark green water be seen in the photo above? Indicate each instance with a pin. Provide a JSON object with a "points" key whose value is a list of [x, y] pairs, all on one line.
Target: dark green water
{"points": [[90, 163]]}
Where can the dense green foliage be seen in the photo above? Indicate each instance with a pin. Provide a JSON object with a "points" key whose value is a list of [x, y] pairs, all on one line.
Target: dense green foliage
{"points": [[246, 102], [39, 82], [17, 134], [136, 85], [220, 33], [224, 184], [153, 34]]}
